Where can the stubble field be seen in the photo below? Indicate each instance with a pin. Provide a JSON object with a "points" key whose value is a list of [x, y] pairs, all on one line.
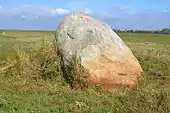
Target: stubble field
{"points": [[31, 79]]}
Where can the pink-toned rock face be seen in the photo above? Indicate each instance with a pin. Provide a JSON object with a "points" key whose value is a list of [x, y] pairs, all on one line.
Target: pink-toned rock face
{"points": [[111, 74], [103, 54]]}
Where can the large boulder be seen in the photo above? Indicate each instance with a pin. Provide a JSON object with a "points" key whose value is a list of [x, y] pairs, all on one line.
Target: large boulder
{"points": [[108, 60]]}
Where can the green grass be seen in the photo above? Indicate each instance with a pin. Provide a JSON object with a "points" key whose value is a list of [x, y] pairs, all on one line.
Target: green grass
{"points": [[31, 79], [139, 38]]}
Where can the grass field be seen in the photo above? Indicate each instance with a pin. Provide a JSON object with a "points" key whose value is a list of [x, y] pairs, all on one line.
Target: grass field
{"points": [[31, 79]]}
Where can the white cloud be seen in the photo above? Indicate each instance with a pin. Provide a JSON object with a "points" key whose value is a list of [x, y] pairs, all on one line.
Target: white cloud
{"points": [[87, 11], [32, 11], [23, 17], [60, 11], [47, 16], [166, 11]]}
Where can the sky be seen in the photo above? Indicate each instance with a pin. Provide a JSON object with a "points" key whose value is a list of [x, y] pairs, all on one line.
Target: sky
{"points": [[119, 14]]}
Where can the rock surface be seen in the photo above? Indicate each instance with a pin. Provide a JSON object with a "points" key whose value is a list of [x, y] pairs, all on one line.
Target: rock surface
{"points": [[109, 61]]}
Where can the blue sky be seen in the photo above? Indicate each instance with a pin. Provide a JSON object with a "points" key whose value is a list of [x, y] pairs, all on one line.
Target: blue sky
{"points": [[120, 14]]}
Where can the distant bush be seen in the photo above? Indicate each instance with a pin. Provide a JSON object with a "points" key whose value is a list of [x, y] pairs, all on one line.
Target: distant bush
{"points": [[163, 31]]}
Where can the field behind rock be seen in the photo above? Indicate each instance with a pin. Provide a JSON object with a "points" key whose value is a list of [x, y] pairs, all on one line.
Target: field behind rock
{"points": [[31, 79]]}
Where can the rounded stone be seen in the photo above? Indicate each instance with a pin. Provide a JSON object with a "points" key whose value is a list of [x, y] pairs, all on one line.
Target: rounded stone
{"points": [[107, 58]]}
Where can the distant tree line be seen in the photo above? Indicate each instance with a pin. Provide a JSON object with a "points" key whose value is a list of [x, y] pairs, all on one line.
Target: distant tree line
{"points": [[163, 31]]}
